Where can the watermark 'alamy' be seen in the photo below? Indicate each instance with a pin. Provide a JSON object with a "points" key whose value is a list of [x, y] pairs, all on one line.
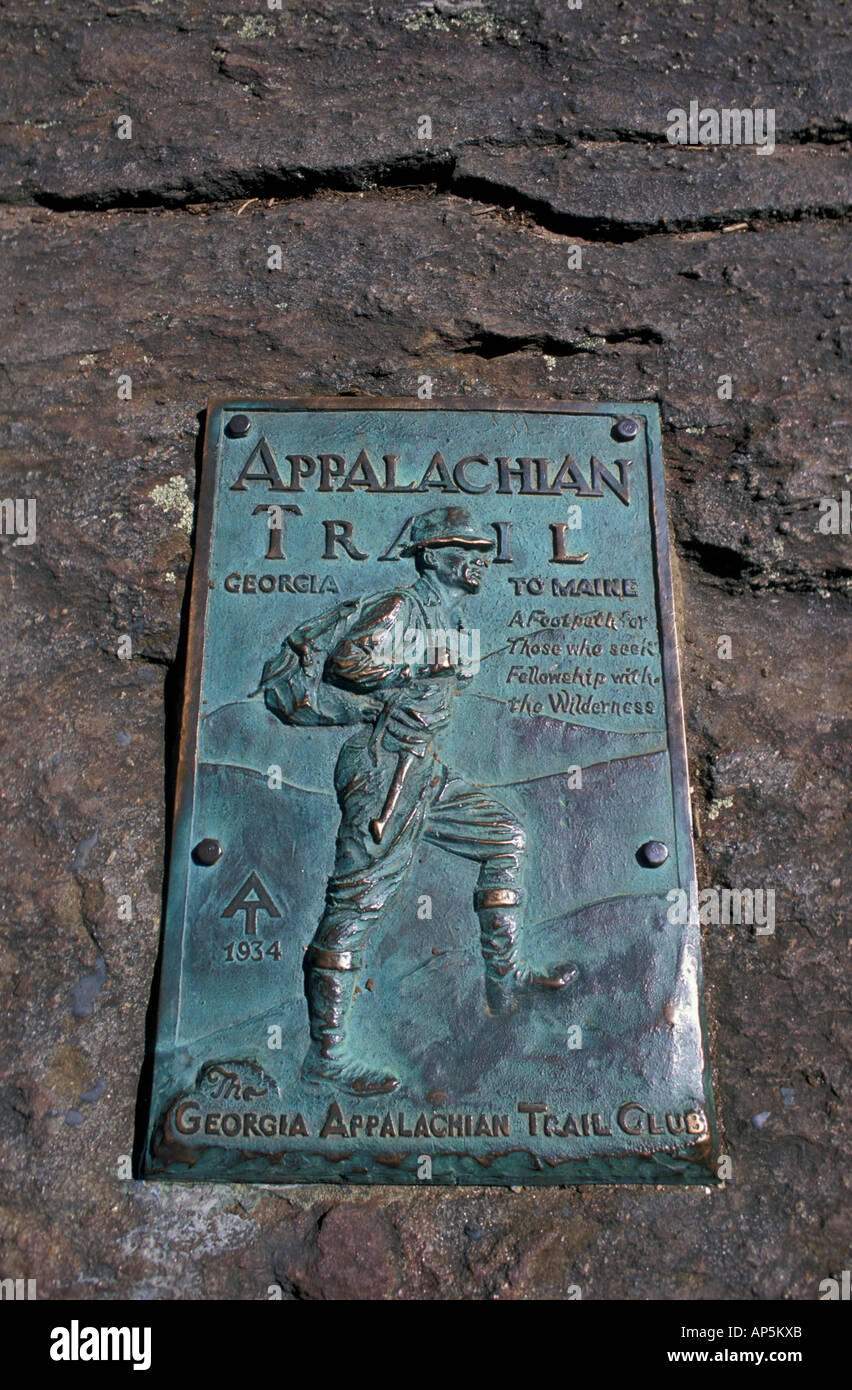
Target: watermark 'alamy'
{"points": [[835, 518], [754, 125], [17, 1288], [76, 1343], [751, 907], [440, 650], [18, 519]]}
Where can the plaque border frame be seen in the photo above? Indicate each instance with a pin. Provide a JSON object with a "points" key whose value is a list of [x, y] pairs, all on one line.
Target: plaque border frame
{"points": [[178, 850]]}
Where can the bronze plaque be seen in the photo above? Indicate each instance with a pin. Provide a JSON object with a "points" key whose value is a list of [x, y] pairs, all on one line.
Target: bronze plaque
{"points": [[432, 847]]}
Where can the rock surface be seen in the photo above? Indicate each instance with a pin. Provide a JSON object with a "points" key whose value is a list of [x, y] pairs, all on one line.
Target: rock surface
{"points": [[449, 257]]}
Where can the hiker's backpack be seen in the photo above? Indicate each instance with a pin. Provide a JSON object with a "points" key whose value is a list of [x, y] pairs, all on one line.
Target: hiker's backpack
{"points": [[292, 682]]}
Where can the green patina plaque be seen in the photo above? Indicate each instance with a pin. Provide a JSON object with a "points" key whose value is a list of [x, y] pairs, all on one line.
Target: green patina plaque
{"points": [[431, 910]]}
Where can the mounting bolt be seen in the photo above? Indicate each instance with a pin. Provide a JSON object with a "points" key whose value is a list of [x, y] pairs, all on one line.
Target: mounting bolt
{"points": [[653, 854], [626, 428], [207, 852], [239, 426]]}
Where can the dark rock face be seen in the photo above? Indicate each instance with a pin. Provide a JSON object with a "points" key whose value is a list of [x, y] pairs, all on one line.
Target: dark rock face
{"points": [[450, 257]]}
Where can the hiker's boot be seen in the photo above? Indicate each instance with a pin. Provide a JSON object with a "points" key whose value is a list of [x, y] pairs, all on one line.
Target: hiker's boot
{"points": [[330, 981], [507, 975]]}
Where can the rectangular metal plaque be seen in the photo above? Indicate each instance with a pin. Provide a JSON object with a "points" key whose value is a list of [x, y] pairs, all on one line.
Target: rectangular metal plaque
{"points": [[431, 911]]}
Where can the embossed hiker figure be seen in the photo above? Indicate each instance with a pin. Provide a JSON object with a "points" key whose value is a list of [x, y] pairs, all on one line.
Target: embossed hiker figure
{"points": [[393, 663]]}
